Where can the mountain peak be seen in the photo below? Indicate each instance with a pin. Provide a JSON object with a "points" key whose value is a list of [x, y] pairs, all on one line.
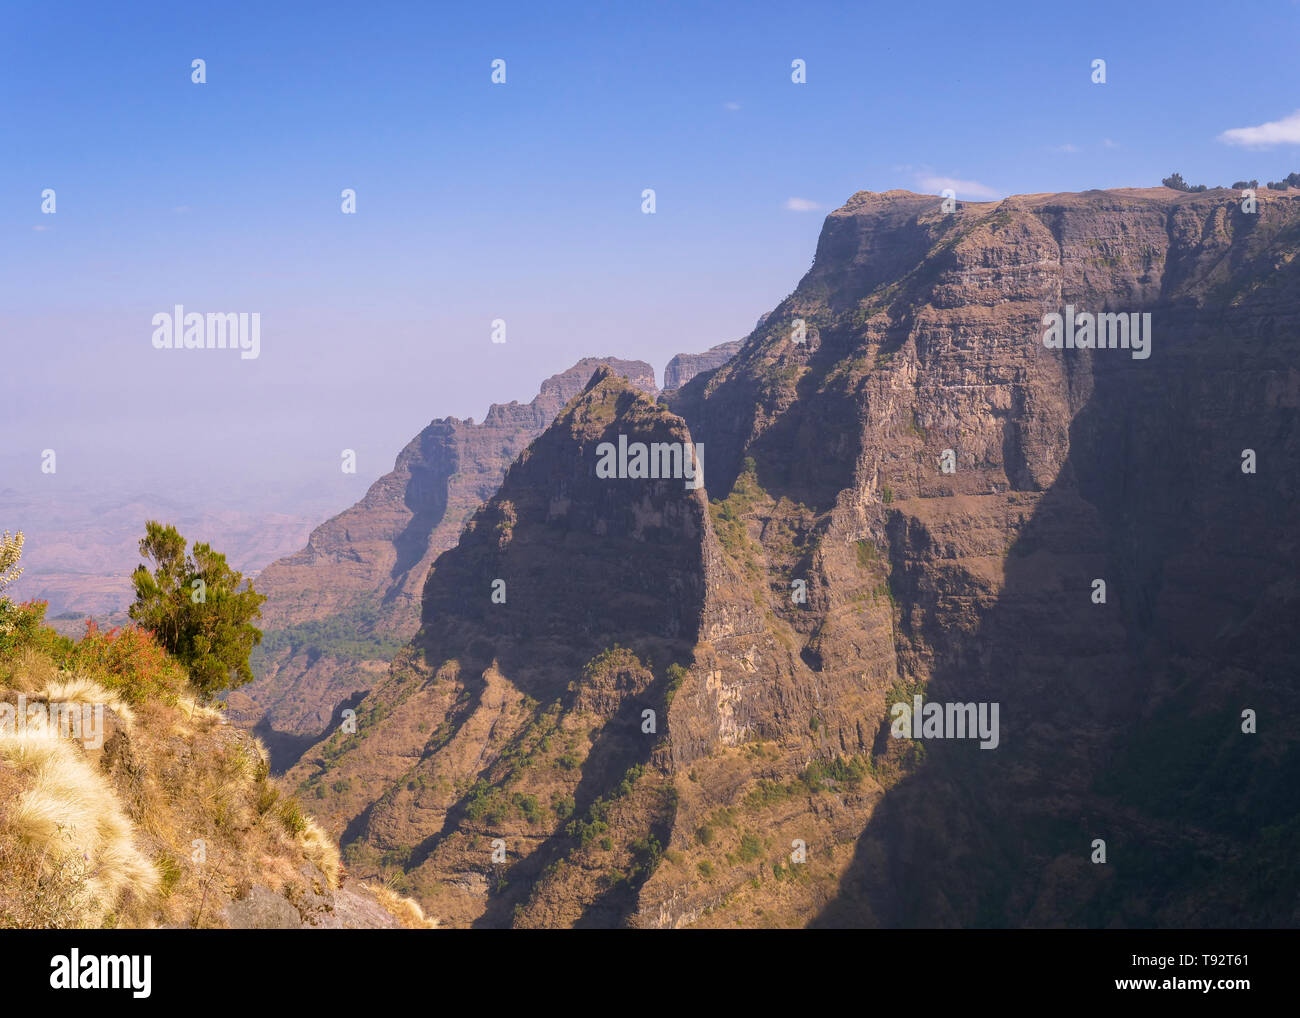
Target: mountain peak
{"points": [[363, 571]]}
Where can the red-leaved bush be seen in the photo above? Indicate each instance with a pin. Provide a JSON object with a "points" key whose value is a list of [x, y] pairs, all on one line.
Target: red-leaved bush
{"points": [[128, 660]]}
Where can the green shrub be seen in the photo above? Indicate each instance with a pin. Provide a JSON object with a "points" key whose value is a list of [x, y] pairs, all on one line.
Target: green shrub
{"points": [[23, 625], [562, 806], [768, 793], [630, 778], [586, 831], [569, 761], [528, 806], [819, 774], [646, 852], [676, 676], [291, 817], [267, 795], [169, 871]]}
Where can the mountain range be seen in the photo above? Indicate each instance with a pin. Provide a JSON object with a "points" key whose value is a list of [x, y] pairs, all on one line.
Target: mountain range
{"points": [[339, 608], [630, 701]]}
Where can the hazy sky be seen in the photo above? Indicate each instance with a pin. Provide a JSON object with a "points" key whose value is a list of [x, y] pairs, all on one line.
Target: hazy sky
{"points": [[520, 201]]}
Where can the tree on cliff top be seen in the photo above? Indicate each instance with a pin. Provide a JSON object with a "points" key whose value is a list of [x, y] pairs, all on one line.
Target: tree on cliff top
{"points": [[193, 604], [1177, 183]]}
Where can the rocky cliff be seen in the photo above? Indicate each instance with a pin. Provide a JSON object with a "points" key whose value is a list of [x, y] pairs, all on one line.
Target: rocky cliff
{"points": [[918, 499], [685, 366], [338, 610]]}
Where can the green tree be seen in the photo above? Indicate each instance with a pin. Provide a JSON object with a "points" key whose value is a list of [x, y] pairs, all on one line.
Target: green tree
{"points": [[1177, 183], [193, 604]]}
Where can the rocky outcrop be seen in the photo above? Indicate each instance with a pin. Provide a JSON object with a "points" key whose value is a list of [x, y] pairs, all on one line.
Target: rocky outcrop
{"points": [[917, 500], [685, 366]]}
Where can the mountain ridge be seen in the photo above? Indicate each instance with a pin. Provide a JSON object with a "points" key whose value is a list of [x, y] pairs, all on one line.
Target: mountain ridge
{"points": [[358, 580], [923, 334]]}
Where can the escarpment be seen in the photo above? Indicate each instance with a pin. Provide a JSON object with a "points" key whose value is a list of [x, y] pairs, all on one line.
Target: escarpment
{"points": [[553, 638], [685, 366], [906, 494]]}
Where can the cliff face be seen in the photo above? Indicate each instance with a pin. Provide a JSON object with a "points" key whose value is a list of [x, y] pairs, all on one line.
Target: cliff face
{"points": [[516, 709], [771, 791], [685, 366], [337, 610]]}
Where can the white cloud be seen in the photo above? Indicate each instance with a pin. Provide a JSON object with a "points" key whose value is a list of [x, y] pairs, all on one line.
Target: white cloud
{"points": [[801, 205], [731, 107], [963, 188], [1067, 148], [1107, 143], [40, 229], [1276, 132]]}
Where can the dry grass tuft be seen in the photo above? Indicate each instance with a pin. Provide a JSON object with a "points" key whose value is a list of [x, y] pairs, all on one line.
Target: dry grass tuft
{"points": [[77, 689], [404, 910], [68, 830], [27, 669], [321, 851]]}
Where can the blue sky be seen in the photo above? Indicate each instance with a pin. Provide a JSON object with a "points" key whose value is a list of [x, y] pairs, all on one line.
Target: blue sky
{"points": [[519, 201]]}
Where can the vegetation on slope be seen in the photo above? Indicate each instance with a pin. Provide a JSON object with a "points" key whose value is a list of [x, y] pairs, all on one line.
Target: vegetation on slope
{"points": [[350, 636], [160, 814]]}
